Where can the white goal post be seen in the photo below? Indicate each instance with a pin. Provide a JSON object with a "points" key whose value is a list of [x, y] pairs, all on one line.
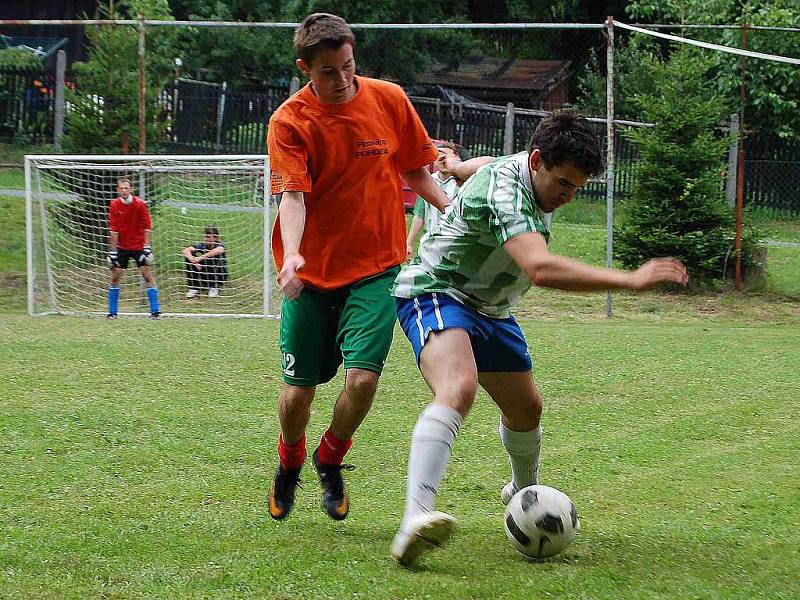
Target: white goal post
{"points": [[67, 199]]}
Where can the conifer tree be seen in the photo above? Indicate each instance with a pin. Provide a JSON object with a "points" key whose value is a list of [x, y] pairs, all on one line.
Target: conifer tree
{"points": [[677, 206]]}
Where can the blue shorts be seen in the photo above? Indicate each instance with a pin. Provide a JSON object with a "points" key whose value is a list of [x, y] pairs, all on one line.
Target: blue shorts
{"points": [[498, 344]]}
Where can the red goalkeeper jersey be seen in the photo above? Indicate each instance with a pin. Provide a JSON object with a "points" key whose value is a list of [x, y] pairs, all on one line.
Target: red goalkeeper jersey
{"points": [[129, 221]]}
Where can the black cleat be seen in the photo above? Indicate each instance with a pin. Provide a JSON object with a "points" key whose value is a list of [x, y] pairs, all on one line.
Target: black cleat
{"points": [[155, 315], [112, 316], [281, 494], [334, 494]]}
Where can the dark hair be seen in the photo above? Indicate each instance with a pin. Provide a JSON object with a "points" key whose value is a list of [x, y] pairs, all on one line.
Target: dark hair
{"points": [[321, 31], [211, 230], [564, 136], [462, 152]]}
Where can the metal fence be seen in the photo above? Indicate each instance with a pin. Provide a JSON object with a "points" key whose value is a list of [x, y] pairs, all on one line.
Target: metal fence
{"points": [[772, 171], [208, 117], [462, 97], [27, 105]]}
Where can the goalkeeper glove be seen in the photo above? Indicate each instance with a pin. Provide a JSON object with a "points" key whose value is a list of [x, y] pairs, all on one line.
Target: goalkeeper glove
{"points": [[147, 254], [112, 258]]}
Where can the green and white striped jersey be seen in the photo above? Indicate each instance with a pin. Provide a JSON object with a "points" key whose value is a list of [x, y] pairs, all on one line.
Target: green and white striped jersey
{"points": [[430, 215], [464, 256]]}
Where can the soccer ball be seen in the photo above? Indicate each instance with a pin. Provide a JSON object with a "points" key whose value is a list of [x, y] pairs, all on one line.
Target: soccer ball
{"points": [[541, 521]]}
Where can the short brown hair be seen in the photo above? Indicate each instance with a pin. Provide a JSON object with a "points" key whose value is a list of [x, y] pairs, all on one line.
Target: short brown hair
{"points": [[564, 136], [460, 151], [124, 180], [321, 31]]}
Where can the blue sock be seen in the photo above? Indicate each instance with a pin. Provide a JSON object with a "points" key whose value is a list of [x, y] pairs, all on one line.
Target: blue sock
{"points": [[113, 300], [152, 295]]}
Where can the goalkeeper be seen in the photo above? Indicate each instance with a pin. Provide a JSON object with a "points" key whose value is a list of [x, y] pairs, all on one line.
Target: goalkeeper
{"points": [[129, 227], [337, 151], [454, 305]]}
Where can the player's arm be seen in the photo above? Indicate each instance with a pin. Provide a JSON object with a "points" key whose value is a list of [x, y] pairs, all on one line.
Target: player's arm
{"points": [[215, 251], [530, 252], [113, 242], [420, 181], [292, 213], [461, 169], [188, 253], [413, 232]]}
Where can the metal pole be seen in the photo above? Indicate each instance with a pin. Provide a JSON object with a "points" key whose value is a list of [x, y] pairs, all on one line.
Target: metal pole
{"points": [[733, 162], [29, 232], [508, 137], [294, 85], [58, 123], [737, 274], [266, 239], [609, 154], [142, 113]]}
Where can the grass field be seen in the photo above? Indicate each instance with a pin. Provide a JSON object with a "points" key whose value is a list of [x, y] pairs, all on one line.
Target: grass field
{"points": [[678, 445], [136, 455]]}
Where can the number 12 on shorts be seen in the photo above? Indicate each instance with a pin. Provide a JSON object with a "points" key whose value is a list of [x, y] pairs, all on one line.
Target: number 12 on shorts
{"points": [[288, 364]]}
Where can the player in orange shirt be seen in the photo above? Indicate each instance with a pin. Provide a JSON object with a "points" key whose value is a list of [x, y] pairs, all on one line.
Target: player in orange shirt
{"points": [[338, 149]]}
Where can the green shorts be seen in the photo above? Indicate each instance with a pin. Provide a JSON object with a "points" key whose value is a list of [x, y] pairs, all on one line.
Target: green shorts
{"points": [[320, 330]]}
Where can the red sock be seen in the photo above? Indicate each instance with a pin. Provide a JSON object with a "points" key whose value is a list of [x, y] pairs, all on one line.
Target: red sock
{"points": [[332, 449], [293, 456]]}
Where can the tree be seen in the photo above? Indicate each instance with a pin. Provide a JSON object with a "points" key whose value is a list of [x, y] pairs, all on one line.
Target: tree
{"points": [[677, 207], [105, 103]]}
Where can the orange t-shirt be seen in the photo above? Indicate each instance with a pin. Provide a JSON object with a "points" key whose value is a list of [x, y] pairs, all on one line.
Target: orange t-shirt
{"points": [[347, 159]]}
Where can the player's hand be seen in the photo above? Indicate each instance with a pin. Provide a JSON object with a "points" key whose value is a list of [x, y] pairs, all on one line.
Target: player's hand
{"points": [[656, 271], [147, 253], [112, 258], [445, 164], [289, 281], [409, 251]]}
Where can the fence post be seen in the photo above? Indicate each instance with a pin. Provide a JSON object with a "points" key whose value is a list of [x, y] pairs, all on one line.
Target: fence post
{"points": [[508, 136], [221, 115], [58, 123], [733, 161], [609, 153]]}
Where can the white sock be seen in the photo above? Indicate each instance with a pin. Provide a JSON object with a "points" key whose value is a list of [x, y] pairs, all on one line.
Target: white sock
{"points": [[431, 447], [523, 449]]}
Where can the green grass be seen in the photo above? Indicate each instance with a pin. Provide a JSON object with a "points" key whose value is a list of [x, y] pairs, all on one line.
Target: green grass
{"points": [[136, 455], [677, 444]]}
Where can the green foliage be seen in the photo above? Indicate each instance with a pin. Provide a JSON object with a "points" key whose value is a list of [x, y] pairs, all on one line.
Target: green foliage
{"points": [[16, 58], [677, 206], [105, 103], [772, 88], [634, 66], [242, 57]]}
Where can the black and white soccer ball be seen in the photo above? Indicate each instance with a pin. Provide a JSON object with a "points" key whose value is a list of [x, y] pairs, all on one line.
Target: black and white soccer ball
{"points": [[541, 521]]}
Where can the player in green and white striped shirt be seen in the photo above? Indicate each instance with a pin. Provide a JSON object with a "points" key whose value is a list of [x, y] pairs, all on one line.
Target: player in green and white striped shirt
{"points": [[425, 216], [454, 305]]}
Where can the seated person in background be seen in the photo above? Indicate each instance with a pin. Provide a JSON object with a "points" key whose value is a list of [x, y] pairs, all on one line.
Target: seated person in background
{"points": [[206, 264]]}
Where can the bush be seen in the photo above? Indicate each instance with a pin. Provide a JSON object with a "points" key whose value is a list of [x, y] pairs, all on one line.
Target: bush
{"points": [[677, 207]]}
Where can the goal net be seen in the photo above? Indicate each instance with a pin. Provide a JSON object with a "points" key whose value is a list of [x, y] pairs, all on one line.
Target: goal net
{"points": [[67, 200]]}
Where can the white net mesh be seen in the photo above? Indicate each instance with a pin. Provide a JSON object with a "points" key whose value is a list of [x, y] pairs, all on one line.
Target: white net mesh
{"points": [[68, 199]]}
